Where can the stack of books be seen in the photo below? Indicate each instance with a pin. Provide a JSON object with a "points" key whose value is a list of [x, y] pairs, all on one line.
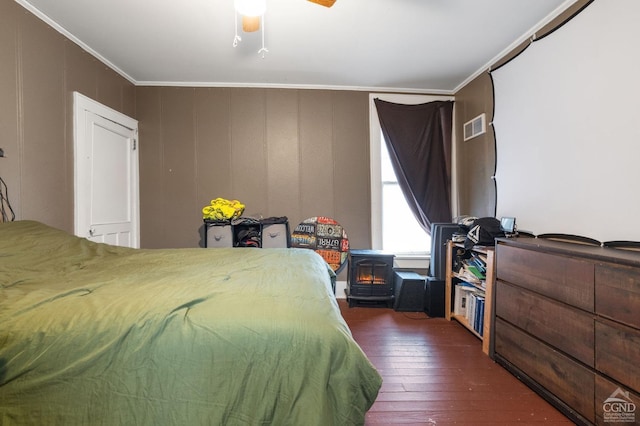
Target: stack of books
{"points": [[475, 313], [474, 269], [469, 299], [469, 303]]}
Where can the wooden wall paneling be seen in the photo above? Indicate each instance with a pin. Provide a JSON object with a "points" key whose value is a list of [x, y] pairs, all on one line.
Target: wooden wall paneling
{"points": [[10, 141], [44, 175], [316, 154], [273, 149], [39, 70], [128, 91], [213, 145], [80, 72], [110, 88], [79, 75], [283, 154], [476, 157], [180, 210], [248, 150], [151, 160], [351, 187]]}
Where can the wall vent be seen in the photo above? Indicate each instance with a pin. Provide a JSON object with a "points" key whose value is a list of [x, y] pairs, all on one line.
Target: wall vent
{"points": [[475, 127]]}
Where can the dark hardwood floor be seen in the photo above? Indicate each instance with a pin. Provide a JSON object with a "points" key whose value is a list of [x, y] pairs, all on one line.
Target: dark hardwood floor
{"points": [[435, 373]]}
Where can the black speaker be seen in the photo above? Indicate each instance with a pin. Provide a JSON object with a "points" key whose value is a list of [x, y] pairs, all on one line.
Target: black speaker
{"points": [[409, 292], [434, 297]]}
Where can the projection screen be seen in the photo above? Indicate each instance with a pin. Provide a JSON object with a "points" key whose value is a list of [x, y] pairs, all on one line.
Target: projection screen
{"points": [[567, 124]]}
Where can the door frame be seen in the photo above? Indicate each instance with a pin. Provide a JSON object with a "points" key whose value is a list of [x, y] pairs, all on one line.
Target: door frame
{"points": [[81, 106]]}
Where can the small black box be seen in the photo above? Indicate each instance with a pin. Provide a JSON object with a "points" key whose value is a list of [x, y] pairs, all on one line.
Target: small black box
{"points": [[434, 297], [409, 292]]}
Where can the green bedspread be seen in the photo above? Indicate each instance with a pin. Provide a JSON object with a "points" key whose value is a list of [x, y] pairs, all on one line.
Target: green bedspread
{"points": [[96, 334]]}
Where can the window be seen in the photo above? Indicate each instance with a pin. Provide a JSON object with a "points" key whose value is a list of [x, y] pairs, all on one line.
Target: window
{"points": [[396, 231], [401, 232]]}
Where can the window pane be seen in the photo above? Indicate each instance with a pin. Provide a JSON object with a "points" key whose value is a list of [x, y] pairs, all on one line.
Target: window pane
{"points": [[401, 232], [386, 169]]}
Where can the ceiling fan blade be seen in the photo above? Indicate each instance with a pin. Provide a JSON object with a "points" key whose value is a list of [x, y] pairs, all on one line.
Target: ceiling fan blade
{"points": [[325, 3]]}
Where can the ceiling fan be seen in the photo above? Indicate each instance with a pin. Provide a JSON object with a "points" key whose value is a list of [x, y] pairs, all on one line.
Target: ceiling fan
{"points": [[252, 13], [325, 3]]}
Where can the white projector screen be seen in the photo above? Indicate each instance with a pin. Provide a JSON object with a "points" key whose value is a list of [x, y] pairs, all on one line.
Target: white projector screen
{"points": [[567, 124]]}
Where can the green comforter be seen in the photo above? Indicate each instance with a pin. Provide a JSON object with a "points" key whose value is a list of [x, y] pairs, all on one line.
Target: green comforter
{"points": [[97, 334]]}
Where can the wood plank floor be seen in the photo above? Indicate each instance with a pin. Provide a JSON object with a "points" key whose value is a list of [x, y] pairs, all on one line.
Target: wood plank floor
{"points": [[435, 373]]}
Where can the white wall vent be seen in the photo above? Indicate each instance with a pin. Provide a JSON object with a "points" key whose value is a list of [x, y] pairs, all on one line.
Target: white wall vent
{"points": [[475, 127]]}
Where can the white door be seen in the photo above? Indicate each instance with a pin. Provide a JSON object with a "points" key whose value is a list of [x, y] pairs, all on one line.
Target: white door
{"points": [[106, 174]]}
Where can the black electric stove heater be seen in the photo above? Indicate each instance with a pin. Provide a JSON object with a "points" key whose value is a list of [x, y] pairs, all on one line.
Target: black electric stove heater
{"points": [[370, 279]]}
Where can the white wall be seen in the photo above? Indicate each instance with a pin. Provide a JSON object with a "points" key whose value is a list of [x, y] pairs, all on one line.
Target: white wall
{"points": [[567, 125]]}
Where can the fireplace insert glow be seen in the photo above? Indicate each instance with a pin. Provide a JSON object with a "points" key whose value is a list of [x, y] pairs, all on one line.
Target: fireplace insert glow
{"points": [[370, 277]]}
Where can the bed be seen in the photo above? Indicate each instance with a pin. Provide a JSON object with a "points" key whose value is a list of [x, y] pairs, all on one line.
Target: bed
{"points": [[97, 334]]}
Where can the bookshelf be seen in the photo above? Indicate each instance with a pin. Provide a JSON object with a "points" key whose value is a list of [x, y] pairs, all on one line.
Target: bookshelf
{"points": [[477, 318]]}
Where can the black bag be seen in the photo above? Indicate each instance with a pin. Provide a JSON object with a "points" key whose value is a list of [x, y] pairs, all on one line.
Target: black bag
{"points": [[483, 232]]}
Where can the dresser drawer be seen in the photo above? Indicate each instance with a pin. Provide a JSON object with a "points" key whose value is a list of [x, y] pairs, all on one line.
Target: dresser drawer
{"points": [[618, 352], [564, 278], [618, 293], [566, 328], [566, 379], [608, 413], [275, 235], [219, 236]]}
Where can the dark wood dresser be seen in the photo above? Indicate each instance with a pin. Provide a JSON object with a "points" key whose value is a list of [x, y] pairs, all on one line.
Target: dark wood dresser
{"points": [[567, 323]]}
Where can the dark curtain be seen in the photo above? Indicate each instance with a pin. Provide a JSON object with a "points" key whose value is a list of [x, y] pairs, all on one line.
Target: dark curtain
{"points": [[418, 138]]}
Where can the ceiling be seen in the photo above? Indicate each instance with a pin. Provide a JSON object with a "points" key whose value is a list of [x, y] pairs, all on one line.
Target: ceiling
{"points": [[432, 46]]}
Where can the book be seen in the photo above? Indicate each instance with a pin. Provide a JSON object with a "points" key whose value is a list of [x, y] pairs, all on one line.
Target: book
{"points": [[478, 262], [476, 272], [471, 310], [466, 275], [478, 323], [461, 298]]}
